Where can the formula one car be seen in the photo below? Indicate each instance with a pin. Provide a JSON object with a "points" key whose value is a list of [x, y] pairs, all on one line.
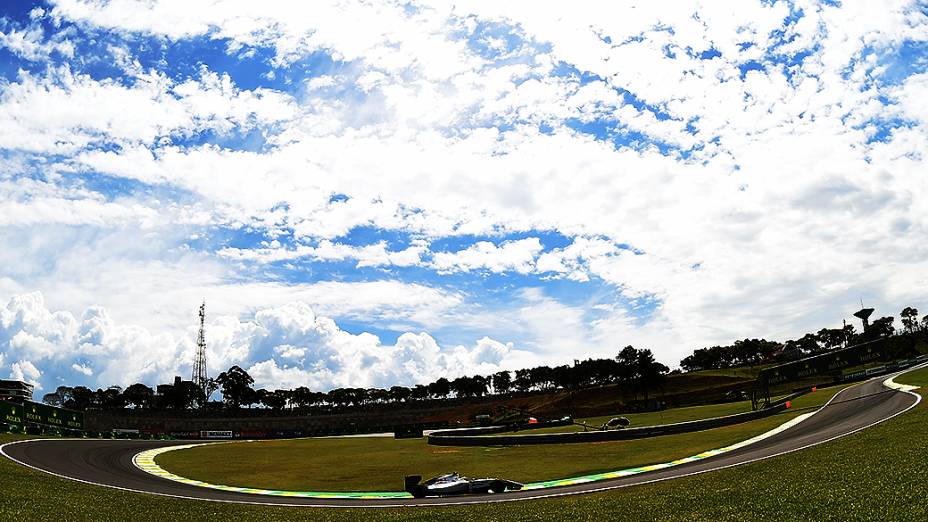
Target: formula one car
{"points": [[454, 484]]}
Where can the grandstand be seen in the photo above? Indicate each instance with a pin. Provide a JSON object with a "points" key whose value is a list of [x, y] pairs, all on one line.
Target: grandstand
{"points": [[16, 391]]}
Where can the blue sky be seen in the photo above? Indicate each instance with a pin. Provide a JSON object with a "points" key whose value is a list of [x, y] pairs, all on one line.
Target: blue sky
{"points": [[388, 193]]}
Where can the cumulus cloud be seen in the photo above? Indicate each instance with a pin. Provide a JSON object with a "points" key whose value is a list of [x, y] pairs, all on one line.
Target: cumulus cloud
{"points": [[26, 371], [286, 345], [331, 357], [40, 338]]}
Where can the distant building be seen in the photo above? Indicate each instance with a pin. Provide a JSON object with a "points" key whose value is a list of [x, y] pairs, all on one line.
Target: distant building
{"points": [[167, 389], [15, 390]]}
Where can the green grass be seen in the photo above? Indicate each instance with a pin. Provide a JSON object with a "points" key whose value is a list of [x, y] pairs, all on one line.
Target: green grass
{"points": [[828, 482], [877, 474], [916, 378], [379, 464]]}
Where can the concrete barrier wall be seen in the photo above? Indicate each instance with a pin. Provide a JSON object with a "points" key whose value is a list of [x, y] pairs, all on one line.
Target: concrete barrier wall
{"points": [[471, 437]]}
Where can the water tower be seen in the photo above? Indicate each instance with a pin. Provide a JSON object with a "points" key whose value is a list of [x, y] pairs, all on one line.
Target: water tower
{"points": [[864, 316]]}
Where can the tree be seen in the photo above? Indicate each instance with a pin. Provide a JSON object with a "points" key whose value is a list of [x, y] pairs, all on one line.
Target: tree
{"points": [[628, 368], [909, 318], [564, 377], [139, 395], [469, 386], [882, 327], [53, 399], [753, 351], [378, 395], [339, 396], [440, 388], [81, 398], [302, 397], [235, 384], [650, 372], [179, 396], [541, 377], [523, 380], [627, 359], [275, 400], [809, 344], [925, 323], [502, 382], [461, 387], [419, 393], [399, 393], [61, 397]]}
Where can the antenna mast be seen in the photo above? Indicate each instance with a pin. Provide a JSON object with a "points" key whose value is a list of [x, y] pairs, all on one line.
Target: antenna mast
{"points": [[199, 364]]}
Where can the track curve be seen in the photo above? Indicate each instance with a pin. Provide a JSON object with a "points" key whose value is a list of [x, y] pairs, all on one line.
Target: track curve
{"points": [[109, 462]]}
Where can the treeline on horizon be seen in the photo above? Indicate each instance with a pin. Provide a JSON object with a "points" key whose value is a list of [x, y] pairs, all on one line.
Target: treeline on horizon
{"points": [[634, 371]]}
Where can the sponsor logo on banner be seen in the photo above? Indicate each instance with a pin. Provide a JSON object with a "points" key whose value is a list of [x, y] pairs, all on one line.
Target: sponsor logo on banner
{"points": [[32, 414], [13, 416]]}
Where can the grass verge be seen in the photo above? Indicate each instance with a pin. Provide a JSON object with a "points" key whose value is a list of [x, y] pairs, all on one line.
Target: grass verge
{"points": [[916, 378], [379, 464]]}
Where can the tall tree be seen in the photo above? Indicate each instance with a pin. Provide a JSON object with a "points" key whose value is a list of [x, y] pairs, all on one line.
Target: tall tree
{"points": [[235, 384], [909, 318], [440, 388], [81, 398], [650, 372], [61, 397], [628, 369], [882, 327], [523, 381], [502, 382]]}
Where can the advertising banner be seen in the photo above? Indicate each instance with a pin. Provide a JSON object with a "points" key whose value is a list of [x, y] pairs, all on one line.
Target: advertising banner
{"points": [[831, 363], [11, 413], [215, 434], [51, 416]]}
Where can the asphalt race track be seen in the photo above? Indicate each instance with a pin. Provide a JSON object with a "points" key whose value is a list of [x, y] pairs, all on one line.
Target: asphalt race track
{"points": [[109, 462]]}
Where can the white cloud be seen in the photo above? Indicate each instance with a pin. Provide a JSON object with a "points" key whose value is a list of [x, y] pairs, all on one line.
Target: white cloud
{"points": [[518, 256], [781, 214], [82, 369], [26, 371], [282, 345], [65, 112], [373, 255]]}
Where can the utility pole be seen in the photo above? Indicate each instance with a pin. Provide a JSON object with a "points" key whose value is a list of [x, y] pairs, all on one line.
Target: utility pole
{"points": [[199, 377]]}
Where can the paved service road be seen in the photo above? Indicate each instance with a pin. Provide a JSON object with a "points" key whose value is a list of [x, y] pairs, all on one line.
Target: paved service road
{"points": [[109, 462]]}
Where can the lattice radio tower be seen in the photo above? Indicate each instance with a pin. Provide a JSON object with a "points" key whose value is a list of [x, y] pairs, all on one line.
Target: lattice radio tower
{"points": [[199, 363]]}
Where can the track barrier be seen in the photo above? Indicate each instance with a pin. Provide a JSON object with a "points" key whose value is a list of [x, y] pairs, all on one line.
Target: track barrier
{"points": [[482, 437]]}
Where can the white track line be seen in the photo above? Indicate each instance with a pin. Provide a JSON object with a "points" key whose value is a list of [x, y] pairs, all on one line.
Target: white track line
{"points": [[918, 399]]}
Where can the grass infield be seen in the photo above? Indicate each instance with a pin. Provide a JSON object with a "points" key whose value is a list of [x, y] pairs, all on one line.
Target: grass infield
{"points": [[379, 464], [877, 474]]}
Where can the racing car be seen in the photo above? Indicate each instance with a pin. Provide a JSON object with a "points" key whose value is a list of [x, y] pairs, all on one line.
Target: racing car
{"points": [[455, 484]]}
